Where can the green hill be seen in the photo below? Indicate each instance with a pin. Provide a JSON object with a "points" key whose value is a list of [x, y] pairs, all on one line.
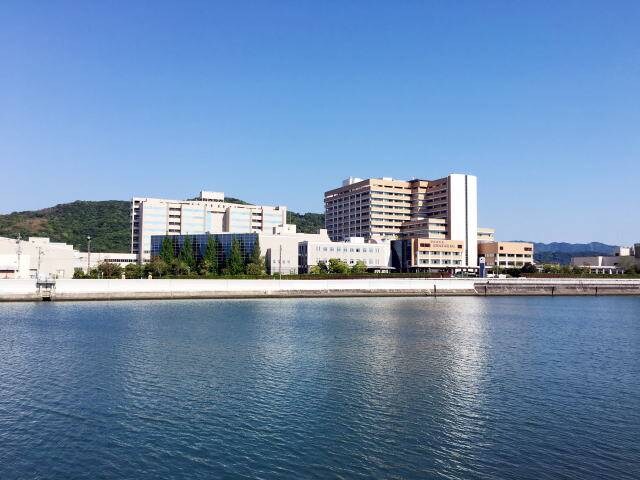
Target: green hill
{"points": [[306, 222], [108, 223]]}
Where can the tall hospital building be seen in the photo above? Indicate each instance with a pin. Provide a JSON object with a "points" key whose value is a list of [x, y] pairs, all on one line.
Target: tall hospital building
{"points": [[389, 209], [206, 213]]}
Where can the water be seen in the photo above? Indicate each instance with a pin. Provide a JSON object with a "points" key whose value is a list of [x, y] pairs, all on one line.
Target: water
{"points": [[456, 388]]}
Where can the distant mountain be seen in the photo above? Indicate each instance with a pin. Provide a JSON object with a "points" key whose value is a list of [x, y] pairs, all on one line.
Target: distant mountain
{"points": [[562, 252], [108, 223], [596, 248]]}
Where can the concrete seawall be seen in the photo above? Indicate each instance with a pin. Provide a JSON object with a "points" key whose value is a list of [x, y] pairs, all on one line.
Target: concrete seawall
{"points": [[27, 290]]}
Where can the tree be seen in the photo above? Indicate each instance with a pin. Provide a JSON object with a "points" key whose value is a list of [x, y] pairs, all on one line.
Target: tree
{"points": [[109, 270], [322, 267], [628, 264], [133, 270], [78, 273], [256, 263], [359, 268], [156, 267], [209, 262], [186, 254], [178, 267], [528, 268], [235, 263], [166, 250], [338, 266]]}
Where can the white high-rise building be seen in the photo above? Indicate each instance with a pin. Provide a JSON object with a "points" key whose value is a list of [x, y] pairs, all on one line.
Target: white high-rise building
{"points": [[385, 208], [206, 213]]}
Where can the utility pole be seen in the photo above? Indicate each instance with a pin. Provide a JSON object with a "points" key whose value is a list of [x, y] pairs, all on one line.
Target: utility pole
{"points": [[88, 254], [19, 247], [39, 258], [280, 263]]}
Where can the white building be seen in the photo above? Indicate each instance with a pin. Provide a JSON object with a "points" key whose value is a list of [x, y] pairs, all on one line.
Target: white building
{"points": [[36, 256], [386, 208], [94, 259], [280, 248], [622, 259], [207, 213], [375, 255]]}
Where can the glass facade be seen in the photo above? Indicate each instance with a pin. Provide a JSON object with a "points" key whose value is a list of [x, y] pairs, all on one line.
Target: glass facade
{"points": [[199, 242]]}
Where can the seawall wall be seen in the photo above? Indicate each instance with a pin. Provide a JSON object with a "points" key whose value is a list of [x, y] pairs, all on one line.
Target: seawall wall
{"points": [[90, 289]]}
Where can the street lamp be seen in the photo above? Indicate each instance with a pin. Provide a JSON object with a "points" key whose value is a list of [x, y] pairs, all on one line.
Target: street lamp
{"points": [[88, 254]]}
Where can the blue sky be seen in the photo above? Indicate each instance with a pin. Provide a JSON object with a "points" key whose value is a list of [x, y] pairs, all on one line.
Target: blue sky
{"points": [[278, 101]]}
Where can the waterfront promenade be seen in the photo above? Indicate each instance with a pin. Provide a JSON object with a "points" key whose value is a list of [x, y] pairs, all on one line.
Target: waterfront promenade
{"points": [[118, 289]]}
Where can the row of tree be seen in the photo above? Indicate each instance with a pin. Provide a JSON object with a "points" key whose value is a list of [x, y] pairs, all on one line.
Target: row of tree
{"points": [[335, 265], [211, 263]]}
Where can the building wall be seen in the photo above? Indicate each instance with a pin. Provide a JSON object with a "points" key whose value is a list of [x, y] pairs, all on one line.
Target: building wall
{"points": [[428, 254], [280, 249], [96, 258], [506, 254], [463, 214], [206, 213], [48, 259], [388, 209], [373, 255]]}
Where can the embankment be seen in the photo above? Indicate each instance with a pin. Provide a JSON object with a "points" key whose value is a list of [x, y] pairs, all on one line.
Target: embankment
{"points": [[21, 290]]}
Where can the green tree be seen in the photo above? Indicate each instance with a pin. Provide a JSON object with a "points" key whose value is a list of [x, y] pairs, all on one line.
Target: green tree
{"points": [[359, 268], [109, 270], [186, 256], [256, 263], [178, 267], [338, 266], [78, 273], [322, 267], [166, 250], [133, 270], [235, 264], [209, 262], [156, 267], [315, 270]]}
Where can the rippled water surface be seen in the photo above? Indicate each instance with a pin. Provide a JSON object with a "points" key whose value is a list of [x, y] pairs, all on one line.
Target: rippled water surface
{"points": [[457, 388]]}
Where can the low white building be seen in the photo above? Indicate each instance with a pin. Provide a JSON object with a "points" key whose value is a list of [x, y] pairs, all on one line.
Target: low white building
{"points": [[280, 248], [376, 256], [40, 257], [608, 265], [623, 258], [37, 257], [94, 259]]}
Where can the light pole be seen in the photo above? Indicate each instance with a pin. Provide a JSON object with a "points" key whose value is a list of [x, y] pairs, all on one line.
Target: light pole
{"points": [[19, 247], [88, 254]]}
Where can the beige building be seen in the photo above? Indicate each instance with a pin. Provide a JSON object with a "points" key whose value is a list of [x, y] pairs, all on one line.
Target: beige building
{"points": [[206, 213], [375, 255], [386, 208], [428, 255], [505, 254]]}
